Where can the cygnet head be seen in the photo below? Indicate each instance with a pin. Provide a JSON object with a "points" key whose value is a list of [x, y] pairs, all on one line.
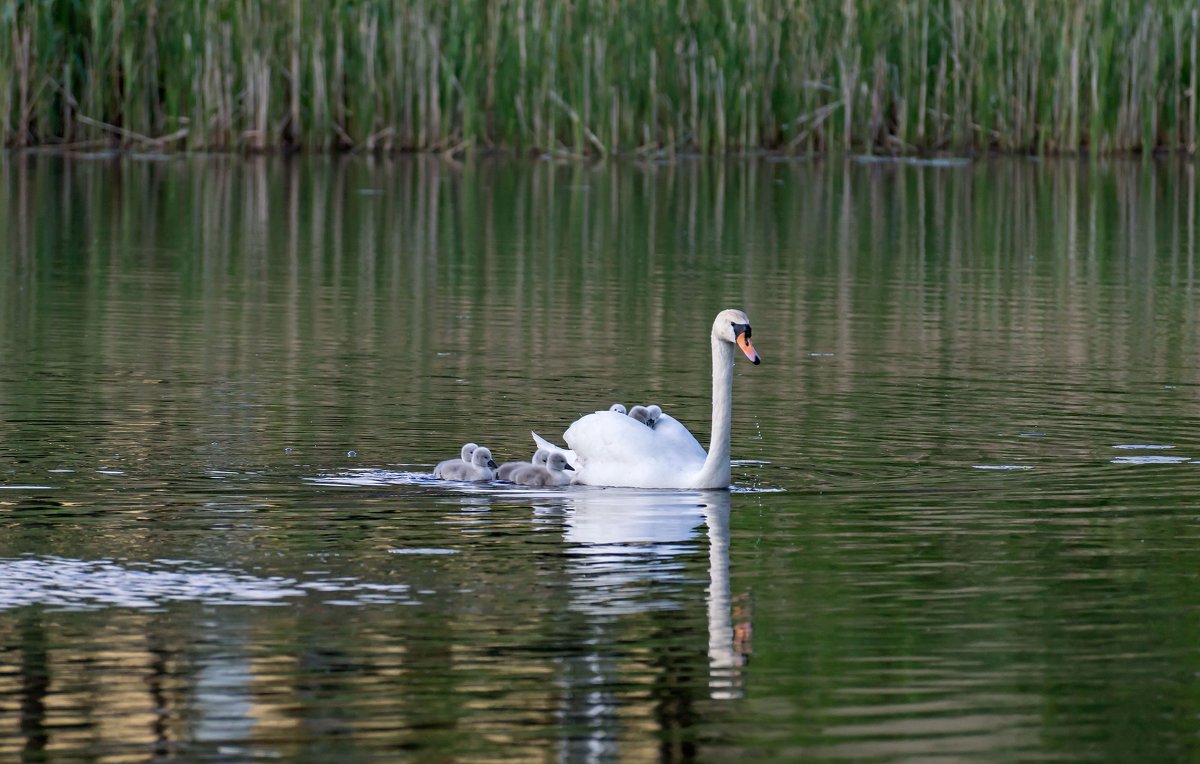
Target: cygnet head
{"points": [[467, 451], [540, 456], [483, 458], [558, 462], [640, 413], [653, 412], [733, 326], [618, 407]]}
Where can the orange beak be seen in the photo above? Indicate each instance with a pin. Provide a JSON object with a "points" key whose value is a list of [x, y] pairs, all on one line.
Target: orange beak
{"points": [[744, 343]]}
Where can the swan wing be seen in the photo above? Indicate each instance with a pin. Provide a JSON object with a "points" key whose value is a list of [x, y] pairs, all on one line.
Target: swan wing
{"points": [[614, 450], [675, 433]]}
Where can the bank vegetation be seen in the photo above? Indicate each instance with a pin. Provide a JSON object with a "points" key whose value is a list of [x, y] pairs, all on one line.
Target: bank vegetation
{"points": [[601, 77]]}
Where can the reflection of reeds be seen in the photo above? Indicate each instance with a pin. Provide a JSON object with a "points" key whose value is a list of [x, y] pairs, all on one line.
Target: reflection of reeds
{"points": [[442, 272], [602, 76]]}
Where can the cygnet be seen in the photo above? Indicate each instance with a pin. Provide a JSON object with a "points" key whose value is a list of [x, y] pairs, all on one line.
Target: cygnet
{"points": [[506, 470], [639, 413], [653, 412], [551, 474], [464, 460], [480, 469]]}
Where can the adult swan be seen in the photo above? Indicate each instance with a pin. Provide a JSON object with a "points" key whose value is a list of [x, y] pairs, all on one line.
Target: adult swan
{"points": [[611, 449]]}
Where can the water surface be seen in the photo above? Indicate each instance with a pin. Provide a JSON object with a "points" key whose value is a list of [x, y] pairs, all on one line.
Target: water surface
{"points": [[963, 522]]}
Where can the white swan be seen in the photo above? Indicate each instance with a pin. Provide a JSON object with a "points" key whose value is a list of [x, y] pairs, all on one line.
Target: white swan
{"points": [[609, 449], [505, 471], [465, 459], [551, 474], [479, 469]]}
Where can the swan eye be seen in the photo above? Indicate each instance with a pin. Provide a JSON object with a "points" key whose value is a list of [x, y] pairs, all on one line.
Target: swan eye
{"points": [[740, 329]]}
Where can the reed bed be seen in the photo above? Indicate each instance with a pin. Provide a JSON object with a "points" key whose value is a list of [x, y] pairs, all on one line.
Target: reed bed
{"points": [[601, 77]]}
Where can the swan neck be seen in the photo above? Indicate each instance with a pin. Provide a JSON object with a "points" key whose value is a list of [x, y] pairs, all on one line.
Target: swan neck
{"points": [[716, 473]]}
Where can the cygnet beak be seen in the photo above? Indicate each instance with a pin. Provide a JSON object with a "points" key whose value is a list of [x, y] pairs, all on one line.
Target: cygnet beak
{"points": [[568, 467]]}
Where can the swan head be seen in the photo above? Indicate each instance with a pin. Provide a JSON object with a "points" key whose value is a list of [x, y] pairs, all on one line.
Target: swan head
{"points": [[483, 458], [618, 408], [558, 462], [540, 457], [640, 413], [733, 326], [467, 451]]}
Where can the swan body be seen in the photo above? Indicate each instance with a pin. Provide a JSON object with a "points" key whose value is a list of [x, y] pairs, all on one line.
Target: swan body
{"points": [[506, 470], [550, 474], [609, 449], [463, 460], [479, 469], [675, 436]]}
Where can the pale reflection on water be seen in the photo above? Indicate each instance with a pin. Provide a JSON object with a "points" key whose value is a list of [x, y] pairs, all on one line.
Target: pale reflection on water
{"points": [[962, 521]]}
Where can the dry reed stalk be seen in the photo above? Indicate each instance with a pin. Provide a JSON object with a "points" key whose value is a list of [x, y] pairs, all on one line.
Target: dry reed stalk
{"points": [[726, 75]]}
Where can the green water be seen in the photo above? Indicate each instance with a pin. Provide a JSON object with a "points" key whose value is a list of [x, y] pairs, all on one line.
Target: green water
{"points": [[964, 521]]}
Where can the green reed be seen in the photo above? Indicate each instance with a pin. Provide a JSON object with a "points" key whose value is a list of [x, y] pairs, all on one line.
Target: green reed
{"points": [[601, 76]]}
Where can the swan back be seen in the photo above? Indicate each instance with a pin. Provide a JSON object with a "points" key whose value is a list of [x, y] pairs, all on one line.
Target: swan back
{"points": [[611, 449], [676, 436]]}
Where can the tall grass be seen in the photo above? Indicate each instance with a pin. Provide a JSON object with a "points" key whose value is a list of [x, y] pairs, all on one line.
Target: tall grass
{"points": [[601, 76]]}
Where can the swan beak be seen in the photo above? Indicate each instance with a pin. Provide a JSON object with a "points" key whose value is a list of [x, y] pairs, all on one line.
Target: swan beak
{"points": [[743, 341], [492, 463], [568, 467]]}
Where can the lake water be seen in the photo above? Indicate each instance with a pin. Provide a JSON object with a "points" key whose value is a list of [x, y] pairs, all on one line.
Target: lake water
{"points": [[964, 522]]}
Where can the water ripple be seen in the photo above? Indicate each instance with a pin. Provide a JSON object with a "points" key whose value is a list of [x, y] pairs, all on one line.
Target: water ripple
{"points": [[62, 583], [374, 478], [1150, 459]]}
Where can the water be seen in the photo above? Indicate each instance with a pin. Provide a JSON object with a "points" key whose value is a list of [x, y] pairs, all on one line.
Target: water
{"points": [[963, 523]]}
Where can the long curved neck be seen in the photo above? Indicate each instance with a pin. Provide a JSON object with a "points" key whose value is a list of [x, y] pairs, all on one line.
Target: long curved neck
{"points": [[716, 471]]}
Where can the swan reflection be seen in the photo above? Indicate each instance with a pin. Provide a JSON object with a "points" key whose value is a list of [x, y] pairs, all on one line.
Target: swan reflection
{"points": [[629, 553]]}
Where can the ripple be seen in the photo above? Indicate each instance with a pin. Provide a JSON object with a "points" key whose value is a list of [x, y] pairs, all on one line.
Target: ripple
{"points": [[1144, 446], [375, 478], [366, 477], [1150, 459], [62, 583], [1001, 467]]}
